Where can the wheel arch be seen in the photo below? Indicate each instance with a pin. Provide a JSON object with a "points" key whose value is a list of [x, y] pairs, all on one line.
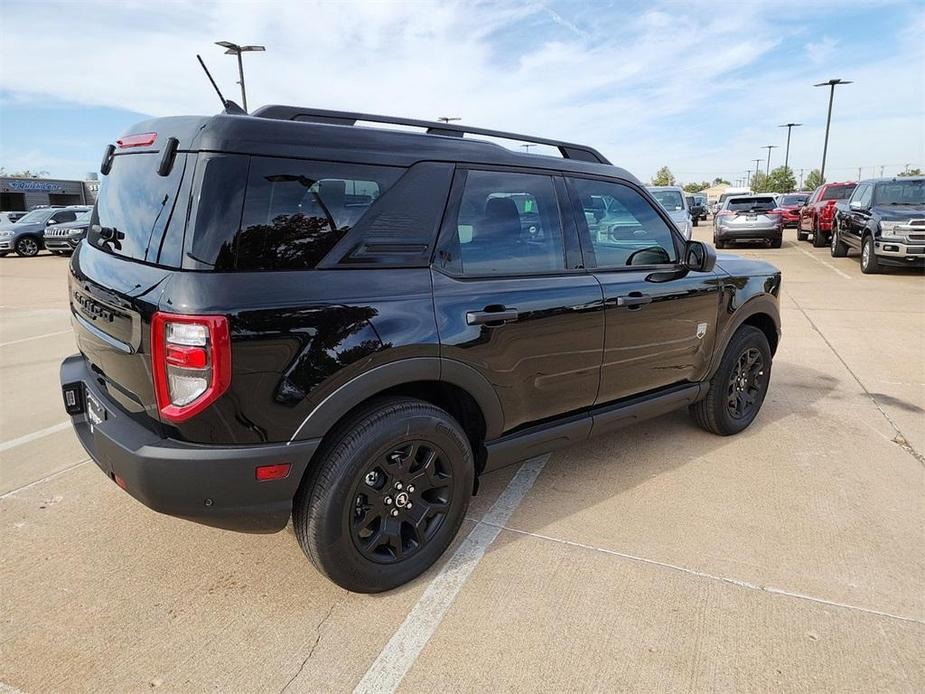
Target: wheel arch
{"points": [[453, 386], [760, 311]]}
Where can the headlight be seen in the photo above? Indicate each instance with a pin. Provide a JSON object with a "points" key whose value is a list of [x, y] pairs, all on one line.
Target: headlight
{"points": [[889, 228], [5, 234]]}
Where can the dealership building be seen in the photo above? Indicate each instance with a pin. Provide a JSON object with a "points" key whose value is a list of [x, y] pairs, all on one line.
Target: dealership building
{"points": [[26, 193]]}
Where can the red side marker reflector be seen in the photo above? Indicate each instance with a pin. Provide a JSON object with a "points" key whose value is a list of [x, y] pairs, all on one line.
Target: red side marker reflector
{"points": [[186, 357], [273, 472], [137, 140], [119, 481]]}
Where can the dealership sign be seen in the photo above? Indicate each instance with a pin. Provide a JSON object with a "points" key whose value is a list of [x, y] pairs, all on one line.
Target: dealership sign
{"points": [[34, 186]]}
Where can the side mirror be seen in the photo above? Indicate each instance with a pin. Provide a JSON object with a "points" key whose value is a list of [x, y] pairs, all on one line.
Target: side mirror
{"points": [[855, 205], [699, 256], [50, 222]]}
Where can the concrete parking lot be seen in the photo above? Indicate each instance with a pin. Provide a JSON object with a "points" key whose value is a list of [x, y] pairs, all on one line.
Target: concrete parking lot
{"points": [[661, 558]]}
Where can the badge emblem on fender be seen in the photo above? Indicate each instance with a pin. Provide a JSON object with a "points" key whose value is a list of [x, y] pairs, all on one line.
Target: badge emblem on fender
{"points": [[701, 330]]}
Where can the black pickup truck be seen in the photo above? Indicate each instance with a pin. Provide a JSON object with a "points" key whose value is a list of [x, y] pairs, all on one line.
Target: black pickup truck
{"points": [[885, 220], [349, 326]]}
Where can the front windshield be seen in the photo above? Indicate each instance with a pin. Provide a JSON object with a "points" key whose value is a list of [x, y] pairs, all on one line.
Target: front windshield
{"points": [[36, 216], [671, 200], [900, 193]]}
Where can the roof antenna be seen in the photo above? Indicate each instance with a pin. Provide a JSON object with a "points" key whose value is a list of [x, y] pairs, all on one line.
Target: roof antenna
{"points": [[228, 105]]}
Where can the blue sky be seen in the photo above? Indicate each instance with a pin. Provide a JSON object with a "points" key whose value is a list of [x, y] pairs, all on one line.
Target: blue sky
{"points": [[697, 86]]}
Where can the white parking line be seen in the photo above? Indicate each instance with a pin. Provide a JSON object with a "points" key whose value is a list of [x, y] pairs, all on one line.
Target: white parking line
{"points": [[43, 480], [35, 337], [54, 429], [823, 262], [400, 653]]}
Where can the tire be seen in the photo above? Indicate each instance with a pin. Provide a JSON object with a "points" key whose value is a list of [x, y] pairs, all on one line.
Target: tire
{"points": [[801, 235], [870, 264], [344, 522], [819, 239], [837, 247], [27, 247], [777, 243], [719, 244], [715, 412], [696, 221], [3, 254]]}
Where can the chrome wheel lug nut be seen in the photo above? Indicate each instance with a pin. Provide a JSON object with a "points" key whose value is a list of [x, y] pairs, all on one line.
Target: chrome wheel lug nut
{"points": [[394, 511], [410, 488], [408, 505], [387, 500], [398, 485]]}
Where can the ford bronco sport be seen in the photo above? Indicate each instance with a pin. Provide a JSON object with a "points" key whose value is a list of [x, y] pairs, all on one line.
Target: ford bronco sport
{"points": [[294, 314]]}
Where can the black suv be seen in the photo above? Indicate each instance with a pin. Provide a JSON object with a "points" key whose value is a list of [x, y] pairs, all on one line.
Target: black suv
{"points": [[291, 314], [885, 221]]}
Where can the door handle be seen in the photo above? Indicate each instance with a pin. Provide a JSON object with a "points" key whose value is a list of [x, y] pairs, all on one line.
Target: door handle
{"points": [[491, 317], [634, 300]]}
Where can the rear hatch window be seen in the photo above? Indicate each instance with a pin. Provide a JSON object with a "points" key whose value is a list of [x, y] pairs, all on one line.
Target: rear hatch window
{"points": [[790, 200], [134, 206], [751, 205], [838, 192]]}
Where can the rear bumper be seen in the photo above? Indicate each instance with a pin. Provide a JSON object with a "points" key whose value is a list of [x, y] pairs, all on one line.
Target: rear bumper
{"points": [[769, 233], [212, 485]]}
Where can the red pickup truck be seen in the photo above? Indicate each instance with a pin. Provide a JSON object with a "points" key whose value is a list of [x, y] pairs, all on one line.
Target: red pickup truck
{"points": [[816, 215]]}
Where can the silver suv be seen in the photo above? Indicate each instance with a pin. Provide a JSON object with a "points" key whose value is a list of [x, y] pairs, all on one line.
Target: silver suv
{"points": [[748, 218], [673, 199]]}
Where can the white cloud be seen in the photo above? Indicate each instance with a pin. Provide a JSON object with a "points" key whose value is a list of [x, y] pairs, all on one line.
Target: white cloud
{"points": [[685, 85]]}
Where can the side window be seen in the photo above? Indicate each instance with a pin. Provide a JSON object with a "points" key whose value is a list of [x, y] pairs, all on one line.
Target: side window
{"points": [[296, 211], [64, 216], [624, 227], [863, 195], [507, 223]]}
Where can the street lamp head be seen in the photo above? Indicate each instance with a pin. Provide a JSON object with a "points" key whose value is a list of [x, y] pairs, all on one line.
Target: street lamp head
{"points": [[833, 82], [248, 49], [232, 47], [790, 125]]}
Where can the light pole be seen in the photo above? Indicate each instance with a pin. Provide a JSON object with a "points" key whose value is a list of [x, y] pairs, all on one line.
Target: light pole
{"points": [[767, 171], [235, 49], [757, 161], [789, 126], [828, 121]]}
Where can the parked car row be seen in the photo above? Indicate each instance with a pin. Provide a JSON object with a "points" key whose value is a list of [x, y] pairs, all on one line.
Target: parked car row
{"points": [[59, 229]]}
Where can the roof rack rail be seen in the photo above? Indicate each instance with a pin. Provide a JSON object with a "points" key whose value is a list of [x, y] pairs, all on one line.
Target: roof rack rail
{"points": [[568, 150]]}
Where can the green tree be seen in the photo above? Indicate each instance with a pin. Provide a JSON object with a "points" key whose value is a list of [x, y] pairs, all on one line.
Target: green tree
{"points": [[664, 177], [781, 180], [719, 181], [26, 173], [813, 180], [910, 172], [696, 187], [759, 183]]}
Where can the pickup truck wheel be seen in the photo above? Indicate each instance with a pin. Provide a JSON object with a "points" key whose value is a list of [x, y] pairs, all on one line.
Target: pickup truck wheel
{"points": [[819, 239], [739, 385], [389, 492], [870, 264], [801, 235], [777, 243], [696, 221], [837, 247], [27, 247]]}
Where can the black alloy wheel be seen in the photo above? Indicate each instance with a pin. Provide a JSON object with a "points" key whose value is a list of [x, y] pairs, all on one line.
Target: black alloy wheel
{"points": [[27, 247], [745, 389], [400, 502]]}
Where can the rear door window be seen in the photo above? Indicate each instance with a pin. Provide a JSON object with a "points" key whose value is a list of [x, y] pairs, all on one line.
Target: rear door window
{"points": [[508, 223], [751, 204], [296, 211], [838, 192], [134, 206]]}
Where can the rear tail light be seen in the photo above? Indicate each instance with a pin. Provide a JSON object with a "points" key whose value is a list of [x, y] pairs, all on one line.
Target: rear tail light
{"points": [[725, 213], [191, 360]]}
